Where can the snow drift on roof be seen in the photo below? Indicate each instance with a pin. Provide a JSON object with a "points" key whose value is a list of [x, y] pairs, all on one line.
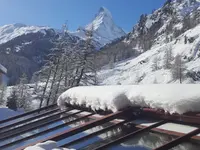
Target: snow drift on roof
{"points": [[173, 98]]}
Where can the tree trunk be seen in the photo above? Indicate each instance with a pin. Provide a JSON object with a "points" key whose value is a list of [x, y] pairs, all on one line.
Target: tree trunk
{"points": [[44, 91], [58, 86], [53, 81]]}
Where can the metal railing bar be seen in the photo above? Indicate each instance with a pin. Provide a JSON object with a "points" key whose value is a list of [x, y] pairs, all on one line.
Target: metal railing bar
{"points": [[26, 114], [121, 139], [46, 131], [23, 129], [29, 119]]}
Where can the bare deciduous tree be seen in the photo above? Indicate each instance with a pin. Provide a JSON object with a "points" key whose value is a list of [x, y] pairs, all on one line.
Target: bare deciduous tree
{"points": [[72, 63]]}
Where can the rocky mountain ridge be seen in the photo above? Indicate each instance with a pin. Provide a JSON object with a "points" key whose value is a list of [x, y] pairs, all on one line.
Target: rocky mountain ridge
{"points": [[162, 26], [174, 27]]}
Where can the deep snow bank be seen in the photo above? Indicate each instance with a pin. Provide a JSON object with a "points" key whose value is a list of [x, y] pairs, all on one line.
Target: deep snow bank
{"points": [[179, 98]]}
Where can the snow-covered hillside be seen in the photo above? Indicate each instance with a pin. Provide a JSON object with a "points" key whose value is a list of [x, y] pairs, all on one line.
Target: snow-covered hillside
{"points": [[139, 70], [165, 23], [11, 31], [105, 30]]}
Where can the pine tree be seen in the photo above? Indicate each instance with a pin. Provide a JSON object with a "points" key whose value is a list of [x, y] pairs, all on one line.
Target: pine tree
{"points": [[111, 63], [185, 39], [156, 62], [12, 100], [155, 81], [178, 69], [23, 100], [168, 58], [35, 80], [2, 94], [137, 78]]}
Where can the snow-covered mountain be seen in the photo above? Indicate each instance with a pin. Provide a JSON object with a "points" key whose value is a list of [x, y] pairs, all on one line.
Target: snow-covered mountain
{"points": [[174, 26], [23, 48], [105, 30], [11, 31], [140, 70]]}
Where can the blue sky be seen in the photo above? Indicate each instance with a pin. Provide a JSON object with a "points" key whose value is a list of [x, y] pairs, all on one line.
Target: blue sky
{"points": [[78, 12]]}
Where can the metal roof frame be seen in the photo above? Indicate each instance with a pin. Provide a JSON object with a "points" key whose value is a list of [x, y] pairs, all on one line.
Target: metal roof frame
{"points": [[51, 114]]}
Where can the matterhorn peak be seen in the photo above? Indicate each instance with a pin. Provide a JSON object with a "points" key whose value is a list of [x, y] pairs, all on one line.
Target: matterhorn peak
{"points": [[103, 27], [105, 30], [103, 17], [104, 11]]}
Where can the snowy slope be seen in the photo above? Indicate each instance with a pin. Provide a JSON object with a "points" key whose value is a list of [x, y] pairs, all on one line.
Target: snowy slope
{"points": [[105, 30], [139, 70], [11, 31], [164, 24]]}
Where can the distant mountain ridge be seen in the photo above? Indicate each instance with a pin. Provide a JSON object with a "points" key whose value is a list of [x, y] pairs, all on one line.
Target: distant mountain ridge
{"points": [[11, 31], [105, 30]]}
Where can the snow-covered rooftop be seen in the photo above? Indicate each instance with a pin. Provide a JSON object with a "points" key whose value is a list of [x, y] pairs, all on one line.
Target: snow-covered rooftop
{"points": [[173, 98]]}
